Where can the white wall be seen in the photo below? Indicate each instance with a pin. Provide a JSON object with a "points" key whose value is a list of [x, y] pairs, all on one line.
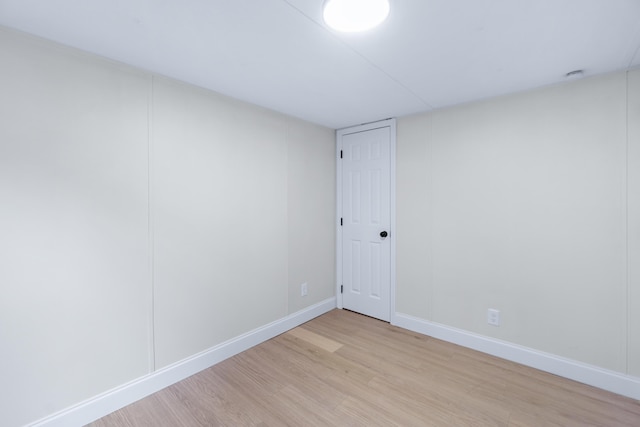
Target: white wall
{"points": [[73, 224], [312, 248], [142, 221], [633, 191], [520, 204], [220, 219], [241, 203]]}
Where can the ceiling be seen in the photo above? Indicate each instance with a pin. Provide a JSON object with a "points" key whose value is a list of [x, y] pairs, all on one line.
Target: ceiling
{"points": [[279, 54]]}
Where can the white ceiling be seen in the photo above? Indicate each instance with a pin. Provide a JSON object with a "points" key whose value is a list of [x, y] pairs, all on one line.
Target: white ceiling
{"points": [[279, 54]]}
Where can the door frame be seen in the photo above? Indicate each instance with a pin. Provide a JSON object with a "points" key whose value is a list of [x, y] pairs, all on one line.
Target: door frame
{"points": [[391, 124]]}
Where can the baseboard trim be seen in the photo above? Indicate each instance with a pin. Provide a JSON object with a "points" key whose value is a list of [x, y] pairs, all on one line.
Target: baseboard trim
{"points": [[105, 403], [587, 374]]}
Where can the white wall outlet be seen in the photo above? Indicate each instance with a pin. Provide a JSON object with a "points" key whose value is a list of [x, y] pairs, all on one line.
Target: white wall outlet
{"points": [[303, 289], [493, 317]]}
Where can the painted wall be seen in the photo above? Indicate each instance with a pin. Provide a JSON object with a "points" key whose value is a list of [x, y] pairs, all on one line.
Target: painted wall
{"points": [[633, 191], [142, 221], [74, 257], [521, 204]]}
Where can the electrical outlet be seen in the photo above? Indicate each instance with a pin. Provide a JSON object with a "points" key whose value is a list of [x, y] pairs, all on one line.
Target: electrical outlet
{"points": [[493, 317], [303, 289]]}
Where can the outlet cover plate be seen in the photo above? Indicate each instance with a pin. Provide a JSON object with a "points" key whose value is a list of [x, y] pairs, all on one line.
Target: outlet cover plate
{"points": [[493, 317]]}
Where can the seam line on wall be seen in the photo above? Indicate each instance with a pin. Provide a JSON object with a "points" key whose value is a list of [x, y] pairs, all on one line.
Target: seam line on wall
{"points": [[287, 143], [628, 278], [430, 215], [152, 332]]}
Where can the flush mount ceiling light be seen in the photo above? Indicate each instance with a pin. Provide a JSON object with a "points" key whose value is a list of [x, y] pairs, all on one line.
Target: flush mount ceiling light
{"points": [[355, 15]]}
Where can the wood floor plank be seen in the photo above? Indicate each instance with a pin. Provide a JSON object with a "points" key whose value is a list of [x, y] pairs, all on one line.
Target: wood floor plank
{"points": [[343, 368], [315, 339]]}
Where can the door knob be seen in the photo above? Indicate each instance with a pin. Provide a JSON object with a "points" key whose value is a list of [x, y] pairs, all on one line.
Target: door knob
{"points": [[383, 234]]}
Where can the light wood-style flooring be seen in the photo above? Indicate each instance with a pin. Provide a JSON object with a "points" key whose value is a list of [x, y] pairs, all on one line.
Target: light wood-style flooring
{"points": [[345, 369]]}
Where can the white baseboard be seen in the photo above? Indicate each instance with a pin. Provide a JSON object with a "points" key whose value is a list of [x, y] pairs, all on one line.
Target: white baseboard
{"points": [[105, 403], [592, 375]]}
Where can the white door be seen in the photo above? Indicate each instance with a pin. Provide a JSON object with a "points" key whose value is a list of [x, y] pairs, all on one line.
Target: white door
{"points": [[366, 220]]}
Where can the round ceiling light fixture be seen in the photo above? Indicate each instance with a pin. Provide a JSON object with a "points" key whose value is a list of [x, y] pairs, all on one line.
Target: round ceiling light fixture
{"points": [[352, 16]]}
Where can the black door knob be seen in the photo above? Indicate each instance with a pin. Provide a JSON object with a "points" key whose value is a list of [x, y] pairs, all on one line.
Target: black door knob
{"points": [[383, 234]]}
